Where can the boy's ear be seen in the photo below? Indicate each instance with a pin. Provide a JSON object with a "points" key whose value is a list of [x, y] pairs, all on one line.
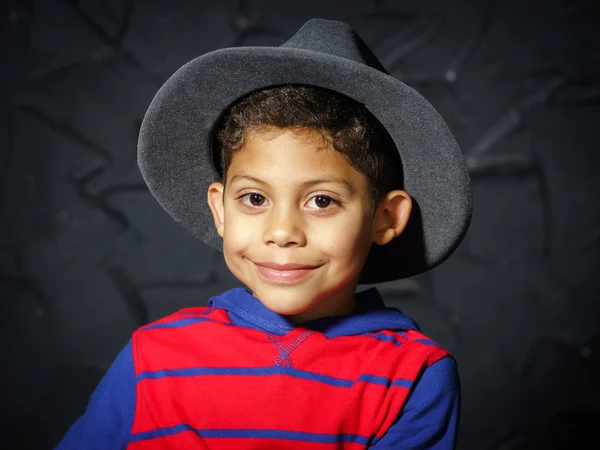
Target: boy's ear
{"points": [[215, 203], [391, 217]]}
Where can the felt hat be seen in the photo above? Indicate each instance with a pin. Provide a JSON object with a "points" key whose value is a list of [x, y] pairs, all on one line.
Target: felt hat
{"points": [[176, 142]]}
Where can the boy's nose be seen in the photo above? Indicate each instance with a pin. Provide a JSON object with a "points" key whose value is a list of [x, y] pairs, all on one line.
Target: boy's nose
{"points": [[284, 228]]}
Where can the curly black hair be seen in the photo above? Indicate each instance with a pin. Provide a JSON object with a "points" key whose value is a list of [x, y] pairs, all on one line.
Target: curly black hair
{"points": [[342, 122]]}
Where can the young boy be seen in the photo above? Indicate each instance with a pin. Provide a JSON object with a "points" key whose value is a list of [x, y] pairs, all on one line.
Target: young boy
{"points": [[321, 172]]}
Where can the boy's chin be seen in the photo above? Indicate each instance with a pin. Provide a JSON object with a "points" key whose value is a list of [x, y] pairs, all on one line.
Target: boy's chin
{"points": [[285, 303]]}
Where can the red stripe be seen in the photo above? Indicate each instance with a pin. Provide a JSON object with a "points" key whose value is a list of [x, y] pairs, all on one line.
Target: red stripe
{"points": [[273, 402]]}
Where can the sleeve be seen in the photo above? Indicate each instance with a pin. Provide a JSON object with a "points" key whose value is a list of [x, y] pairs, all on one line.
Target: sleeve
{"points": [[430, 417], [108, 418]]}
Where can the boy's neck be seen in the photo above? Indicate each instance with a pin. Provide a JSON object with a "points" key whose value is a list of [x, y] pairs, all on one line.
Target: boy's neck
{"points": [[339, 304]]}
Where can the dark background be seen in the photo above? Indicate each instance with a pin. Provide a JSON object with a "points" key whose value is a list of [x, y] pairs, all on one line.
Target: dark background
{"points": [[87, 255]]}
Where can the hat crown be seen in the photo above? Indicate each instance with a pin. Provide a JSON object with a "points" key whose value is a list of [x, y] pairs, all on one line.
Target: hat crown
{"points": [[333, 38]]}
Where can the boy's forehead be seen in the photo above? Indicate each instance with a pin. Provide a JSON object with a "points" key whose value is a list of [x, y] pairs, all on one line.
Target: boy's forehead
{"points": [[290, 155]]}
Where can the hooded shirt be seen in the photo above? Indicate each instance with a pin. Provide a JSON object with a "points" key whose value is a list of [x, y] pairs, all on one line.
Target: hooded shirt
{"points": [[270, 382]]}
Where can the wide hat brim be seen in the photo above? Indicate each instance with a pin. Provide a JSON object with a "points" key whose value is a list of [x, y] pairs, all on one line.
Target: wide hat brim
{"points": [[175, 153]]}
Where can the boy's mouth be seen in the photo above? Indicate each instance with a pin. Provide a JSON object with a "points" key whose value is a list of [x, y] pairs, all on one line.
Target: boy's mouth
{"points": [[284, 273]]}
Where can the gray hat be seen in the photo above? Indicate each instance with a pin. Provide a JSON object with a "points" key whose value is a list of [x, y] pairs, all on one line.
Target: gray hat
{"points": [[175, 149]]}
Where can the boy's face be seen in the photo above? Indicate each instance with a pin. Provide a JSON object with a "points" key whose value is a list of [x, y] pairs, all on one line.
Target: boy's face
{"points": [[282, 206]]}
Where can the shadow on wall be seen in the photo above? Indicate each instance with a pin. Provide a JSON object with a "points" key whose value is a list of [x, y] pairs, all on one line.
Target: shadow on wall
{"points": [[575, 381], [66, 399]]}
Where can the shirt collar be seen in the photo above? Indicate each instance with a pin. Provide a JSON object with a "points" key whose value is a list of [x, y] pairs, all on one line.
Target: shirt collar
{"points": [[370, 315]]}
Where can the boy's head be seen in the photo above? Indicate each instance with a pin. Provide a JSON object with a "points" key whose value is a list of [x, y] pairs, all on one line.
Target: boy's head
{"points": [[307, 135], [307, 180]]}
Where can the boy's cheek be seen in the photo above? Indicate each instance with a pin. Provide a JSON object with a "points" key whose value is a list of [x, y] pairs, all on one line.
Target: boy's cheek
{"points": [[240, 233], [338, 237]]}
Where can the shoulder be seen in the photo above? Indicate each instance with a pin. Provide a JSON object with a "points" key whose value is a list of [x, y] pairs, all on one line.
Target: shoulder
{"points": [[184, 318], [108, 417], [422, 342], [174, 336], [411, 344], [431, 415]]}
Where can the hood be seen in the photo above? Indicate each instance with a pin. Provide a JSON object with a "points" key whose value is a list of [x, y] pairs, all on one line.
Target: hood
{"points": [[370, 316]]}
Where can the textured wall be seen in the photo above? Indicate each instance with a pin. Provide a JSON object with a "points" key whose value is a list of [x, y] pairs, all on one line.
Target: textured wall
{"points": [[87, 255]]}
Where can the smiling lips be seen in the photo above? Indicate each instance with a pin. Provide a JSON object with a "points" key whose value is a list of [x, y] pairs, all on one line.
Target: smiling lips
{"points": [[284, 273]]}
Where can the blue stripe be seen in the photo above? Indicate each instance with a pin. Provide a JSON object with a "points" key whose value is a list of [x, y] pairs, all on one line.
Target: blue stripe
{"points": [[182, 323], [197, 313], [385, 338], [253, 434], [403, 382], [252, 371], [427, 342], [374, 379], [273, 370]]}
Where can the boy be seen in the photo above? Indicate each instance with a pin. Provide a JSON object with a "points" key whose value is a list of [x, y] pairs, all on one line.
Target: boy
{"points": [[320, 172]]}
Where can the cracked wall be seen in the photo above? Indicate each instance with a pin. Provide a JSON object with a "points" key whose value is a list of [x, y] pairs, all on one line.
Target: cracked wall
{"points": [[87, 255]]}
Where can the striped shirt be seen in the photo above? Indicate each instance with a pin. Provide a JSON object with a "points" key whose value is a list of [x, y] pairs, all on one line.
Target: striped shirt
{"points": [[236, 375]]}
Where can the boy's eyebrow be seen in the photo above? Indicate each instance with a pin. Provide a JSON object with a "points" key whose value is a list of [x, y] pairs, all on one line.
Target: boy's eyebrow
{"points": [[341, 181]]}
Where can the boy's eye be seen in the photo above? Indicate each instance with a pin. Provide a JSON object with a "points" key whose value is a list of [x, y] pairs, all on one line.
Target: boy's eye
{"points": [[322, 201], [256, 199]]}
